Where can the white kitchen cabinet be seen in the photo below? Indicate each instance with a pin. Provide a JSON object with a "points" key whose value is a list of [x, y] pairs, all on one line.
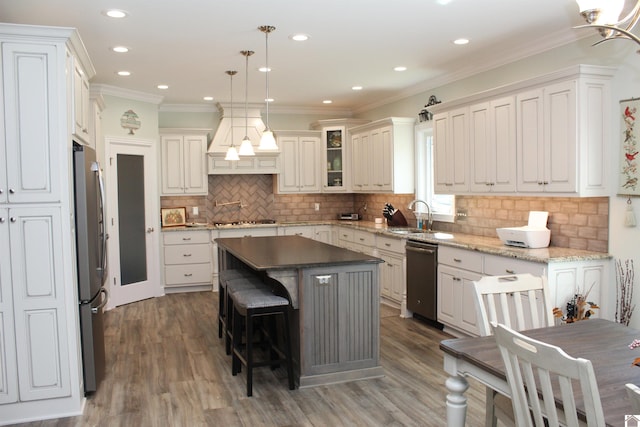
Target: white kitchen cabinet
{"points": [[261, 163], [491, 142], [40, 370], [451, 151], [322, 233], [392, 271], [183, 164], [298, 230], [383, 158], [81, 103], [187, 260], [300, 162]]}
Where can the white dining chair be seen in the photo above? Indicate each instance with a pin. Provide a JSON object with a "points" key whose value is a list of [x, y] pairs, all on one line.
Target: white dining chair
{"points": [[519, 301], [633, 391], [538, 373]]}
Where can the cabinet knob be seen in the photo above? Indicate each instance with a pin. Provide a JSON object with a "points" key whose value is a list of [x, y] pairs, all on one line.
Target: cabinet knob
{"points": [[186, 238], [188, 274], [1, 220], [186, 255], [457, 260], [13, 219], [1, 191], [150, 230], [12, 191]]}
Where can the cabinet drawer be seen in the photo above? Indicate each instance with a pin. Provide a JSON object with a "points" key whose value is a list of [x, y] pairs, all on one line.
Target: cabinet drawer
{"points": [[499, 266], [185, 237], [187, 254], [249, 232], [364, 238], [390, 244], [186, 274], [460, 258], [345, 235]]}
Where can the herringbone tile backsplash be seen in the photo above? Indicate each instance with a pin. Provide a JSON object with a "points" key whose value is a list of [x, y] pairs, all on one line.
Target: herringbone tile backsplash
{"points": [[579, 223]]}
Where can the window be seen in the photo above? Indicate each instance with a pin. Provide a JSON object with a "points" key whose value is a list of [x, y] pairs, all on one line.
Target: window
{"points": [[442, 205]]}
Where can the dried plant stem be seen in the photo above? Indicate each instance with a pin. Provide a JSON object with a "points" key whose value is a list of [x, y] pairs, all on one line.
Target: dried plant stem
{"points": [[624, 291]]}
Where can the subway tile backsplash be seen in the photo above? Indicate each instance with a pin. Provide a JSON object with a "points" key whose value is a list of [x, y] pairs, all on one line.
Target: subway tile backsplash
{"points": [[580, 223]]}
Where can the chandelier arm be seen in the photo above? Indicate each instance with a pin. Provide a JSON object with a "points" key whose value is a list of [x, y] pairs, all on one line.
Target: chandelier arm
{"points": [[632, 18], [622, 33]]}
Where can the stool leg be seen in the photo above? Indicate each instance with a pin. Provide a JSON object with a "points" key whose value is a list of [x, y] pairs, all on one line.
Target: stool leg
{"points": [[221, 313], [229, 322], [235, 341], [287, 348], [249, 345]]}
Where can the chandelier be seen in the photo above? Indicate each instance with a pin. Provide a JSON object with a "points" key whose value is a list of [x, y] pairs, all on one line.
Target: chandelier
{"points": [[604, 15], [267, 142], [232, 153]]}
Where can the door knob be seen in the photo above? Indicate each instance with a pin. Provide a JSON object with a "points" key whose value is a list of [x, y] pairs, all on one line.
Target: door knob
{"points": [[150, 230]]}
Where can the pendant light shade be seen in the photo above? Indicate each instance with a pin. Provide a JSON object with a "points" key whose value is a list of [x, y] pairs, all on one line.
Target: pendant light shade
{"points": [[246, 148], [267, 142], [232, 153]]}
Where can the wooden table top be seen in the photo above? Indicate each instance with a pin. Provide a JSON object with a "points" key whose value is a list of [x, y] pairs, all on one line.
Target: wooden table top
{"points": [[603, 342], [288, 252]]}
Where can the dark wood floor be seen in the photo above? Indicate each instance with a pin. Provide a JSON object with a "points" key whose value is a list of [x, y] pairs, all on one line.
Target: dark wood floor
{"points": [[167, 367]]}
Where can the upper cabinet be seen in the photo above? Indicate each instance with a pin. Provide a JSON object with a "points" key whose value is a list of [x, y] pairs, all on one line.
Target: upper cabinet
{"points": [[382, 156], [300, 162], [336, 153], [547, 135], [451, 151], [183, 158], [81, 104]]}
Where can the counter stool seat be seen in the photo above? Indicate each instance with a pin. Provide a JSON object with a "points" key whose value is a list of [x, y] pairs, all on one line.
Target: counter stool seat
{"points": [[250, 282], [223, 277], [250, 304]]}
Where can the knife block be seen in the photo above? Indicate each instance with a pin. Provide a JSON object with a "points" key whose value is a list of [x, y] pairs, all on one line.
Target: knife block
{"points": [[397, 220]]}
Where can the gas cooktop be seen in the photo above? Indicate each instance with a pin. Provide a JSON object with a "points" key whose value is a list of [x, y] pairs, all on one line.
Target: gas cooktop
{"points": [[251, 222]]}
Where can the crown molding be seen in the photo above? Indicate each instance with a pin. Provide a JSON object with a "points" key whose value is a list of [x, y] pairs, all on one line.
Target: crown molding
{"points": [[133, 95]]}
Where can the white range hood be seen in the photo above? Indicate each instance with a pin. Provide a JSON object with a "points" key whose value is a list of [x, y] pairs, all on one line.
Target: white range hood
{"points": [[264, 162]]}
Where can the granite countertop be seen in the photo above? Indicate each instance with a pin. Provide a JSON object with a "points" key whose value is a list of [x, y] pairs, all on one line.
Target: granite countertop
{"points": [[489, 245]]}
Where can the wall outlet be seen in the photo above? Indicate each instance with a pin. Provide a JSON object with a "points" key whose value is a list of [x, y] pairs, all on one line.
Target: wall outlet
{"points": [[316, 206], [194, 211], [461, 214]]}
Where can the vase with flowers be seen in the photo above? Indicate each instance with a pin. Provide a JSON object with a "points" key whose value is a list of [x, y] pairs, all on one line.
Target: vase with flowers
{"points": [[578, 308]]}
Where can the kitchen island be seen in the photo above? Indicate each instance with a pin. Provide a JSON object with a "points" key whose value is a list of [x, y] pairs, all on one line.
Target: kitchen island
{"points": [[335, 300]]}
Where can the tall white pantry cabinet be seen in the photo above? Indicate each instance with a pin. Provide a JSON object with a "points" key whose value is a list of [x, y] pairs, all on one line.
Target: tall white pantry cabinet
{"points": [[40, 365]]}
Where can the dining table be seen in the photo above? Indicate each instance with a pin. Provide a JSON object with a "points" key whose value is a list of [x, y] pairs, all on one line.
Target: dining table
{"points": [[605, 343]]}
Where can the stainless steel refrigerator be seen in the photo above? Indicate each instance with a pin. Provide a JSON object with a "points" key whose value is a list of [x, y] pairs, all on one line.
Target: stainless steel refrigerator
{"points": [[91, 240]]}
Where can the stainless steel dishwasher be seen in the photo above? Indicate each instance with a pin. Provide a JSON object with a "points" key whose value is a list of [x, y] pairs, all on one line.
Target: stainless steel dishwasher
{"points": [[422, 281]]}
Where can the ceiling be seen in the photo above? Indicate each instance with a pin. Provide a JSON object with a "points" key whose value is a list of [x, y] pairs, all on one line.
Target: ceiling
{"points": [[189, 44]]}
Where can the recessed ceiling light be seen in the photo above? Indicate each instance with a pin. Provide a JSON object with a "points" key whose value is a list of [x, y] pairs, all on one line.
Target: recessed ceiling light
{"points": [[115, 13], [124, 73], [461, 41], [163, 87], [208, 98], [120, 49], [264, 69], [356, 88], [299, 37], [327, 101], [400, 68]]}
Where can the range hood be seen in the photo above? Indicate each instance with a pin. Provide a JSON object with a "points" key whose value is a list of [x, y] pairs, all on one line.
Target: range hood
{"points": [[264, 162], [222, 138]]}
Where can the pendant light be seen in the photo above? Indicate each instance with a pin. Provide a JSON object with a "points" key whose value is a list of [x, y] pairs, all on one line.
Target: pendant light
{"points": [[246, 149], [267, 142], [232, 153]]}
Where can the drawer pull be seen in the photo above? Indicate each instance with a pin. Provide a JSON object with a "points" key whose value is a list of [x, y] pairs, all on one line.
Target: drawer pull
{"points": [[186, 255], [510, 271], [186, 238], [361, 239], [457, 279], [324, 280], [188, 274], [388, 245], [457, 260]]}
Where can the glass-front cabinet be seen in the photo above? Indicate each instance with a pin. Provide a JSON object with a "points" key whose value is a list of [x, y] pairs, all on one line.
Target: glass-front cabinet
{"points": [[336, 153], [335, 177]]}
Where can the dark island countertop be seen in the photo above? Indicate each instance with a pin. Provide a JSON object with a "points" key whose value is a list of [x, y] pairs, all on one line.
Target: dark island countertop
{"points": [[289, 252]]}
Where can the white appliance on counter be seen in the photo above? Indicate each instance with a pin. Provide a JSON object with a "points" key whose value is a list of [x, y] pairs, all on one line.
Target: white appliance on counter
{"points": [[533, 235]]}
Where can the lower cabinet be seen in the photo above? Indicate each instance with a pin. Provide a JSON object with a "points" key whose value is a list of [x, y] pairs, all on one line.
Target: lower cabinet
{"points": [[392, 271], [34, 348], [187, 260]]}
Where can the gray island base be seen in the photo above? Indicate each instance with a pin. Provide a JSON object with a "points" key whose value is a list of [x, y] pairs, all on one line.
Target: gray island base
{"points": [[335, 300]]}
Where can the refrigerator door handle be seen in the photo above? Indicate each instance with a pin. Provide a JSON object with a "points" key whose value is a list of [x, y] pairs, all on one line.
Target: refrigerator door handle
{"points": [[105, 297], [95, 166]]}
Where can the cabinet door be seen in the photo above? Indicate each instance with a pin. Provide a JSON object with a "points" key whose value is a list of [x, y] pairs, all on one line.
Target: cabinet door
{"points": [[288, 179], [480, 148], [456, 299], [530, 141], [440, 138], [8, 363], [447, 285], [560, 156], [392, 280], [381, 159], [80, 103], [451, 137], [35, 239], [172, 164], [32, 119], [360, 155], [309, 161], [322, 233], [502, 151], [336, 158], [195, 172]]}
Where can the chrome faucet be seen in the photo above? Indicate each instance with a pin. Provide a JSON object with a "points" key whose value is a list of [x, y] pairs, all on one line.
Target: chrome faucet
{"points": [[429, 215]]}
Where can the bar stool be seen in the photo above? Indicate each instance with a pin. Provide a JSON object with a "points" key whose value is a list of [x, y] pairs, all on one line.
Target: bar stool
{"points": [[223, 277], [250, 304], [249, 282]]}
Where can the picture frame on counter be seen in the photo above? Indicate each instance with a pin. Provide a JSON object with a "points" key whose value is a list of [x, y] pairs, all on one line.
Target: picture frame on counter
{"points": [[173, 217], [630, 148]]}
